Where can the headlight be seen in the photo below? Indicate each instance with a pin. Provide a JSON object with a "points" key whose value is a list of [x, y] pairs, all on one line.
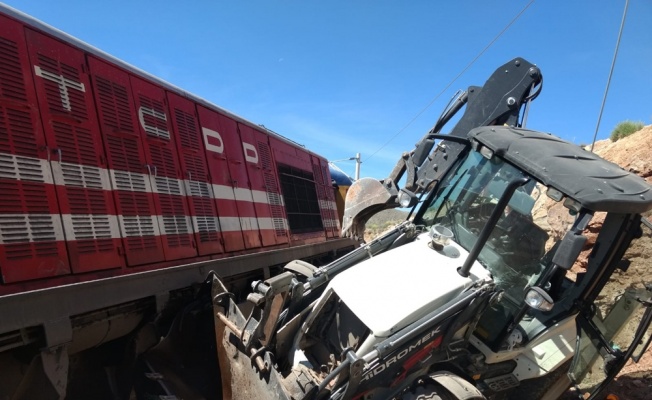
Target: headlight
{"points": [[440, 235], [406, 198], [486, 152], [538, 299]]}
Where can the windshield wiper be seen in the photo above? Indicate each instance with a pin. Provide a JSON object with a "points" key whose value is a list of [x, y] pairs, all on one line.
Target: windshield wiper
{"points": [[490, 224]]}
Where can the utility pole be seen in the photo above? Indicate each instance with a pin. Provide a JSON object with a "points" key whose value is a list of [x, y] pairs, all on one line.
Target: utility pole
{"points": [[358, 161]]}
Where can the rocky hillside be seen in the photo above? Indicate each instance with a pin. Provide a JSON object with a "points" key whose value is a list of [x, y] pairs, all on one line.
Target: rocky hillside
{"points": [[381, 222], [633, 153]]}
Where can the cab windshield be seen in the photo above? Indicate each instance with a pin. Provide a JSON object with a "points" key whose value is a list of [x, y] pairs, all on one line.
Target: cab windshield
{"points": [[465, 199]]}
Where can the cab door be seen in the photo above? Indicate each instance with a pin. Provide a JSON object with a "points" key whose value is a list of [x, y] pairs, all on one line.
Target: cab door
{"points": [[615, 326]]}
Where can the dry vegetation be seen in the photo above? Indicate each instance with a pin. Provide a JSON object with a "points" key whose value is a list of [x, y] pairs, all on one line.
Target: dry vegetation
{"points": [[383, 221]]}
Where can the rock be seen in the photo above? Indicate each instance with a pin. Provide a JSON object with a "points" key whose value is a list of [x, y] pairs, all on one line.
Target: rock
{"points": [[633, 153]]}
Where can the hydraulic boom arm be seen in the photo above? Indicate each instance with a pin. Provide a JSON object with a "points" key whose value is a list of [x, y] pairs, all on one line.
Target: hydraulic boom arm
{"points": [[498, 102]]}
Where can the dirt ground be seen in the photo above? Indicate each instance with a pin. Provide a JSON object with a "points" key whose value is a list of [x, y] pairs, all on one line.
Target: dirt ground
{"points": [[634, 381]]}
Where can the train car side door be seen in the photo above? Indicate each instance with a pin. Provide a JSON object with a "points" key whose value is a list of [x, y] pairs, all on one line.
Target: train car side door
{"points": [[76, 154], [192, 157], [132, 189], [31, 235], [233, 148], [164, 170], [223, 194], [261, 203]]}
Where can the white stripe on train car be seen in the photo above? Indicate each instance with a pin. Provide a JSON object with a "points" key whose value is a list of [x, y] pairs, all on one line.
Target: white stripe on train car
{"points": [[206, 223], [21, 228], [93, 177], [199, 189], [166, 185], [86, 176], [266, 223], [260, 196], [24, 228], [223, 192], [249, 223], [137, 225], [90, 226], [235, 224], [175, 224], [331, 223], [327, 205], [275, 199], [231, 224], [242, 194], [25, 168], [130, 181]]}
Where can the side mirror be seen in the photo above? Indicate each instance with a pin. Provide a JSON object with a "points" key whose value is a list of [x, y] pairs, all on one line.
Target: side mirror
{"points": [[569, 249], [407, 199], [538, 299]]}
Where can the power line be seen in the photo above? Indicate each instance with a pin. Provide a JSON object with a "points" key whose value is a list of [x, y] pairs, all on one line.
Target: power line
{"points": [[454, 79], [611, 71]]}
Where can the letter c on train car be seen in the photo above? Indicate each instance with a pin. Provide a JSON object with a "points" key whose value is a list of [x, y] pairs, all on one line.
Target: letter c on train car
{"points": [[213, 140]]}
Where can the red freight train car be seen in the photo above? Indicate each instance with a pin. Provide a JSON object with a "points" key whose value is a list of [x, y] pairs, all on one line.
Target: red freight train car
{"points": [[105, 168], [118, 192]]}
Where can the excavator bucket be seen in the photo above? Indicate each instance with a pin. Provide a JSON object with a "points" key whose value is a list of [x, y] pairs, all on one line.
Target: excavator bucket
{"points": [[245, 373], [365, 197]]}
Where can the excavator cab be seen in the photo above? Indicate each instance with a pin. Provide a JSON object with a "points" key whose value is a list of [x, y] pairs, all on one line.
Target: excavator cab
{"points": [[582, 290]]}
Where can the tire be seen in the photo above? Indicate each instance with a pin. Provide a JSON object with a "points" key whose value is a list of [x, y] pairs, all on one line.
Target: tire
{"points": [[428, 391]]}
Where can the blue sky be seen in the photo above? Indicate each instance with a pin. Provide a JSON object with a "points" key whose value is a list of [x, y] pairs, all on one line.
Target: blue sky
{"points": [[343, 77]]}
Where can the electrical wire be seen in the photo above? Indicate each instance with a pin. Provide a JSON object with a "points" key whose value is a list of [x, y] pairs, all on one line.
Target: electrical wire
{"points": [[454, 79], [611, 71]]}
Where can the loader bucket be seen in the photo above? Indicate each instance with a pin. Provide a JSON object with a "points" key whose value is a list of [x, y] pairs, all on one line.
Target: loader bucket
{"points": [[365, 197], [244, 376]]}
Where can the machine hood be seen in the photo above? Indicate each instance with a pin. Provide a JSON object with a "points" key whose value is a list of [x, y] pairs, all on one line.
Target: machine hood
{"points": [[393, 289]]}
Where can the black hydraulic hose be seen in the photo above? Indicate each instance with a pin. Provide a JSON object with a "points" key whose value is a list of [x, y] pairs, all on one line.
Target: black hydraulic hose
{"points": [[336, 372], [449, 138], [450, 112], [491, 223], [425, 145], [325, 273]]}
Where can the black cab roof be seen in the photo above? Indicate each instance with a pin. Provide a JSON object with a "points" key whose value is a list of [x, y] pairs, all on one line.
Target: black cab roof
{"points": [[594, 182]]}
